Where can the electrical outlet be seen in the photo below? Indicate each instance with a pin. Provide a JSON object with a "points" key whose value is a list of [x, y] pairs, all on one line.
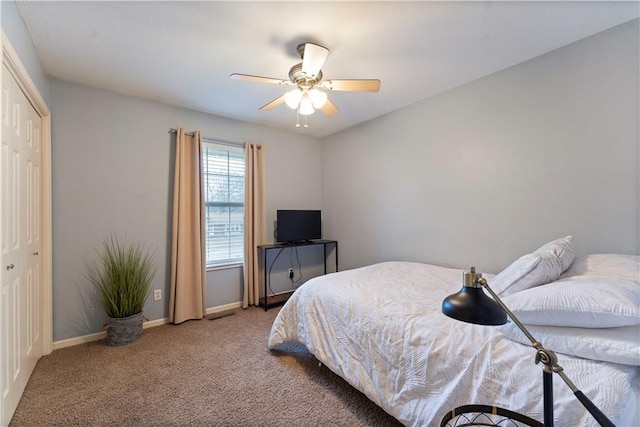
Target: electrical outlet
{"points": [[157, 294], [291, 273]]}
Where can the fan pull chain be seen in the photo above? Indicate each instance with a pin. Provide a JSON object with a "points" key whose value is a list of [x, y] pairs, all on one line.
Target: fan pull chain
{"points": [[298, 117], [305, 122]]}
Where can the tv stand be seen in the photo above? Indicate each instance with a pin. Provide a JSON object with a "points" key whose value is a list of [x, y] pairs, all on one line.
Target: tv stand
{"points": [[274, 300], [294, 243]]}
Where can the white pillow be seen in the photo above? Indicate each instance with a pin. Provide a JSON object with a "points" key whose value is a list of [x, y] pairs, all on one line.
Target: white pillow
{"points": [[615, 345], [542, 266], [605, 265], [592, 302], [562, 249]]}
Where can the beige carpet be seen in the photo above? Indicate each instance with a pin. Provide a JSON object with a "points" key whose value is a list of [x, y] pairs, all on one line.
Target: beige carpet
{"points": [[201, 373]]}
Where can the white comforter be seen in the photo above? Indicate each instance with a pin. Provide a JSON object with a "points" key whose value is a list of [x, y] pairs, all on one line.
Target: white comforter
{"points": [[381, 328]]}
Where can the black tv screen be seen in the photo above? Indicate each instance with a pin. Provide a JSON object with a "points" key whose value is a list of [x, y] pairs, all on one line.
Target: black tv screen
{"points": [[298, 225]]}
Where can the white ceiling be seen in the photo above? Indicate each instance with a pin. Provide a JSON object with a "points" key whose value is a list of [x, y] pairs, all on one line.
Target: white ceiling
{"points": [[182, 53]]}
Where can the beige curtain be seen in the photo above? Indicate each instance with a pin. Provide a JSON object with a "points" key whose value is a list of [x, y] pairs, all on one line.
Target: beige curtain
{"points": [[187, 296], [255, 221]]}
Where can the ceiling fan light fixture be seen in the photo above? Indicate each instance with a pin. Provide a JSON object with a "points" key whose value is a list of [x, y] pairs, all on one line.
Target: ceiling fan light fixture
{"points": [[292, 98], [307, 78], [318, 98], [306, 106]]}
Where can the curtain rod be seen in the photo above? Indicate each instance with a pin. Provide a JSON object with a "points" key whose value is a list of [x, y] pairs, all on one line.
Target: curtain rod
{"points": [[216, 140]]}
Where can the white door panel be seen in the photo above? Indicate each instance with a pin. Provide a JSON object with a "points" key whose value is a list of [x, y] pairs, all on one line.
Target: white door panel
{"points": [[32, 241], [20, 243]]}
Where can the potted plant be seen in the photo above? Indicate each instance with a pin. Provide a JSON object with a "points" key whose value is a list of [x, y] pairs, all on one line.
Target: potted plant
{"points": [[122, 273]]}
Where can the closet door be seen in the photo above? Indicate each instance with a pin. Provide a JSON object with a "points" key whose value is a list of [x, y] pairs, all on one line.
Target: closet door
{"points": [[32, 308], [20, 230]]}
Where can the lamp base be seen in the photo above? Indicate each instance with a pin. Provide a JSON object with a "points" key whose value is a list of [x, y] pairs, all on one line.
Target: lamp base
{"points": [[485, 415]]}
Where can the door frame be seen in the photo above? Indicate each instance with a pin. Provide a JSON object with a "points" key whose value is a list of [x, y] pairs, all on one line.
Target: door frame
{"points": [[11, 59]]}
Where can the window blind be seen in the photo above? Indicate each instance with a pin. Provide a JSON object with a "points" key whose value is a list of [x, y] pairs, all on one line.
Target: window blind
{"points": [[224, 171]]}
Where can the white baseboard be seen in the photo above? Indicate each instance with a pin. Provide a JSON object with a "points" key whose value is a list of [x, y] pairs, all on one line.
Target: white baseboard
{"points": [[79, 340], [225, 307], [148, 324]]}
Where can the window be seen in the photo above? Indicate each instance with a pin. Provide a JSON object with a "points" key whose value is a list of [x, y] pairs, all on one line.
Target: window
{"points": [[223, 168]]}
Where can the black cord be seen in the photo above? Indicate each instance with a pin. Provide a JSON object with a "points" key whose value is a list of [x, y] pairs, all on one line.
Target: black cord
{"points": [[269, 275], [295, 282]]}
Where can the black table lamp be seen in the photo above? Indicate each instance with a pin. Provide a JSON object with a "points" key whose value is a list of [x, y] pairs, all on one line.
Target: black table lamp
{"points": [[472, 305]]}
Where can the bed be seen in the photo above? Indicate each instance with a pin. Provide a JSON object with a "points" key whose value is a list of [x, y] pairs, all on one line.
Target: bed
{"points": [[380, 327]]}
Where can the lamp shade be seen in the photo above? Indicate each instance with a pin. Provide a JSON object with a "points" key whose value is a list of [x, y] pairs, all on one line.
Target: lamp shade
{"points": [[292, 98], [318, 98], [472, 305], [306, 106]]}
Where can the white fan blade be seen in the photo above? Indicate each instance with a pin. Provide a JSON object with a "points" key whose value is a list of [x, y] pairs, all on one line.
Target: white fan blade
{"points": [[273, 104], [329, 109], [236, 76], [313, 59], [363, 85]]}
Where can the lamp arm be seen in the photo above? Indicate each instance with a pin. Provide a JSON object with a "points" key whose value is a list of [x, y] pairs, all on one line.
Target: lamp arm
{"points": [[482, 281], [549, 359]]}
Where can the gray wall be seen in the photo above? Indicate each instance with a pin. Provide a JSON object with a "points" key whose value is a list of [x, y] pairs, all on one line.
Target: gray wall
{"points": [[112, 171], [18, 35], [491, 170]]}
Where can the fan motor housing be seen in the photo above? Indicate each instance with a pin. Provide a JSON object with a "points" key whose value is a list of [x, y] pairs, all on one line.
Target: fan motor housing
{"points": [[297, 76]]}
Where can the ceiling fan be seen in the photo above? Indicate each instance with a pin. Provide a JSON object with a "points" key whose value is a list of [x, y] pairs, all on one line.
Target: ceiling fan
{"points": [[307, 77]]}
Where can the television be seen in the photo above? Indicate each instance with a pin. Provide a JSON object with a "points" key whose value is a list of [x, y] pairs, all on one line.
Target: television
{"points": [[298, 225]]}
